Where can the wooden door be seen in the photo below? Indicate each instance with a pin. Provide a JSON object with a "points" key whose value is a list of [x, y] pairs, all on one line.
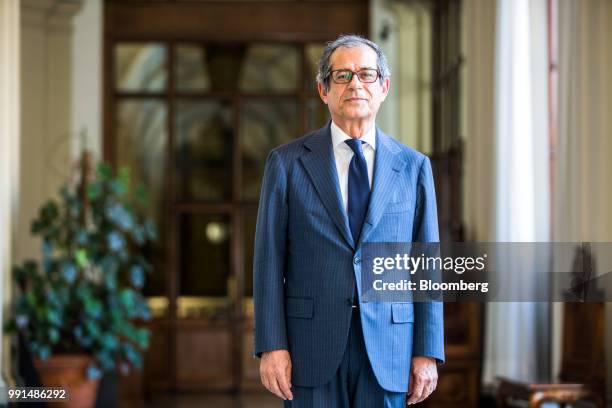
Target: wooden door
{"points": [[196, 95]]}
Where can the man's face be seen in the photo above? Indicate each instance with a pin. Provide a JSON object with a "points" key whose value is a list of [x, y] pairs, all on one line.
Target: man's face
{"points": [[355, 101]]}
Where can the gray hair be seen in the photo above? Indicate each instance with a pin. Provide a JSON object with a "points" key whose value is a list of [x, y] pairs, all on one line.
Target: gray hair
{"points": [[350, 41]]}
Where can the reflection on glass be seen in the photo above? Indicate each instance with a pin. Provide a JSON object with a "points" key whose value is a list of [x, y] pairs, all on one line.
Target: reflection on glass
{"points": [[212, 309], [312, 53], [250, 220], [264, 124], [208, 67], [141, 145], [140, 67], [204, 254], [158, 306], [317, 114], [191, 69], [204, 148], [270, 68]]}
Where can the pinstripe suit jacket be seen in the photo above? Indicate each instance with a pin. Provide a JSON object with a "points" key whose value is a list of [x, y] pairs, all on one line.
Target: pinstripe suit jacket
{"points": [[306, 263]]}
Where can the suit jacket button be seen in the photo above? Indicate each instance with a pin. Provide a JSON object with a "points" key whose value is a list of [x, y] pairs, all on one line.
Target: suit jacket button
{"points": [[357, 260]]}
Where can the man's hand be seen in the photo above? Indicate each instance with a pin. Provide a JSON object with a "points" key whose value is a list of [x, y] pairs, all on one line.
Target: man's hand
{"points": [[423, 379], [275, 373]]}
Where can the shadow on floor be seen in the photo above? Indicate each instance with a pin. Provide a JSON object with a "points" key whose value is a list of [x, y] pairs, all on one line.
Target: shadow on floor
{"points": [[208, 400]]}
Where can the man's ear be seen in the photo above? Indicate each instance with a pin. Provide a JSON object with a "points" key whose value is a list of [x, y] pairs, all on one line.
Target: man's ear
{"points": [[322, 92], [385, 88]]}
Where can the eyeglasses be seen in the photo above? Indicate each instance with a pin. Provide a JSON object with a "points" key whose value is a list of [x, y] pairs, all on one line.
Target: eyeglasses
{"points": [[344, 76]]}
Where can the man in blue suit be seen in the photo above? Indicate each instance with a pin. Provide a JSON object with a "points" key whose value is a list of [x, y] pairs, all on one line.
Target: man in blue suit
{"points": [[323, 196]]}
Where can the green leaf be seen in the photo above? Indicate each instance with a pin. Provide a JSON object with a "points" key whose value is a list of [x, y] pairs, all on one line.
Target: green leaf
{"points": [[20, 274], [74, 207], [65, 193], [31, 300], [47, 249], [105, 171], [110, 342], [118, 187], [94, 372], [81, 237], [142, 338], [151, 230], [83, 291], [93, 308], [141, 193], [115, 241], [110, 281], [81, 258], [53, 334], [50, 211], [63, 295], [94, 191], [126, 297], [43, 352], [10, 326], [137, 276], [124, 176], [31, 266], [69, 271], [37, 226], [53, 316], [138, 233], [109, 265], [92, 328]]}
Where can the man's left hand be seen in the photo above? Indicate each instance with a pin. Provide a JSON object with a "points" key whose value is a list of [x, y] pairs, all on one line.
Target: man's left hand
{"points": [[423, 379]]}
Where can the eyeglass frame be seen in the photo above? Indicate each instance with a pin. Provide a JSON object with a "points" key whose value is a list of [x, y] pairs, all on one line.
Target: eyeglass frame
{"points": [[354, 73]]}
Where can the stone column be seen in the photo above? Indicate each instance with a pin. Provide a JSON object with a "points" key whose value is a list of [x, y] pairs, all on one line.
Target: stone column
{"points": [[35, 134], [9, 159], [46, 91]]}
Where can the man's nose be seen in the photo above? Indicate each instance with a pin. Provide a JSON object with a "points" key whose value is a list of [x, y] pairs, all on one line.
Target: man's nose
{"points": [[355, 82]]}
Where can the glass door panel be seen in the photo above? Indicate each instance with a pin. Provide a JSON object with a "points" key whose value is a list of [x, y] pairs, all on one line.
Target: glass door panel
{"points": [[140, 67], [192, 72], [141, 145], [271, 68], [264, 124], [206, 284], [312, 54], [250, 220], [203, 150], [317, 114]]}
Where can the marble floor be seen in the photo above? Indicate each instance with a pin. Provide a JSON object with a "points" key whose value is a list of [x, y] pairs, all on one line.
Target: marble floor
{"points": [[209, 400]]}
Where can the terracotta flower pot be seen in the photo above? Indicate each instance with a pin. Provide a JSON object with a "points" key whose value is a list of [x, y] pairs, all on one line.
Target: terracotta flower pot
{"points": [[69, 371]]}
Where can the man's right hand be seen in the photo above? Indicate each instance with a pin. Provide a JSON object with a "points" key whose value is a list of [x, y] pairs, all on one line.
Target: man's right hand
{"points": [[275, 373]]}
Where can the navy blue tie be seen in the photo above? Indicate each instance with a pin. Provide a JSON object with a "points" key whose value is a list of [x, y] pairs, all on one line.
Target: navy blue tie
{"points": [[358, 188]]}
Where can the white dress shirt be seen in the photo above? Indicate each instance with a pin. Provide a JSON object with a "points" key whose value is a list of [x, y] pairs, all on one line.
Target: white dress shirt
{"points": [[343, 155]]}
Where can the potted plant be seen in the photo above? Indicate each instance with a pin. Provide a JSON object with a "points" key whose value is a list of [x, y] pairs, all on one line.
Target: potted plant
{"points": [[79, 310]]}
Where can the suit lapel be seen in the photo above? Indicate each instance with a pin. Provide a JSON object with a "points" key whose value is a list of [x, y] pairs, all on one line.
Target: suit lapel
{"points": [[387, 165], [320, 165]]}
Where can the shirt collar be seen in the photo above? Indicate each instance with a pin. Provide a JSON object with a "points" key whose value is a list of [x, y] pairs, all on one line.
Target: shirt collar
{"points": [[339, 136]]}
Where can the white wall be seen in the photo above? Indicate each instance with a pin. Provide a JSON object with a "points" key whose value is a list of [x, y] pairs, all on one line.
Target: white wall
{"points": [[406, 113], [381, 19], [9, 161], [87, 76]]}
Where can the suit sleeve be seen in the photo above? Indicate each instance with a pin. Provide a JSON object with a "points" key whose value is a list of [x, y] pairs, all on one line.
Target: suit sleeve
{"points": [[429, 316], [269, 259]]}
